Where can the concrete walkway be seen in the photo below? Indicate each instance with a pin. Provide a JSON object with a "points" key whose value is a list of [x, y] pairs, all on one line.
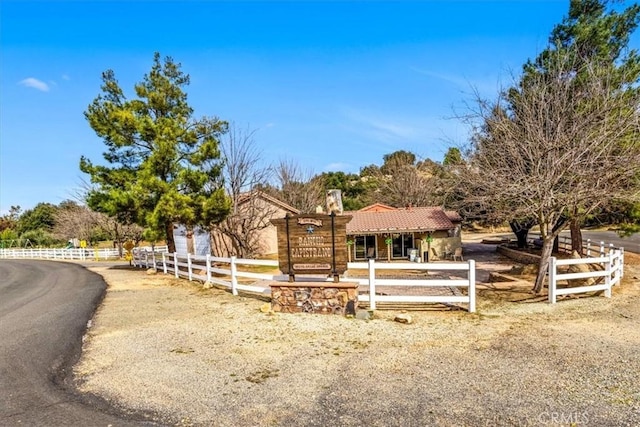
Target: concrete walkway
{"points": [[487, 259]]}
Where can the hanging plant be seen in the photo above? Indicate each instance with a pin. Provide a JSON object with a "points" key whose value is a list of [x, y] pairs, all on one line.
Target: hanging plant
{"points": [[388, 241]]}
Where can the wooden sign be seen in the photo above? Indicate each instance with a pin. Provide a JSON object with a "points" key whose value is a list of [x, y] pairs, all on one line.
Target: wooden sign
{"points": [[312, 244]]}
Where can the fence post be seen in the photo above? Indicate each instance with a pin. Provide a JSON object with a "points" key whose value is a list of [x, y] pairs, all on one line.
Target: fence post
{"points": [[588, 248], [175, 265], [234, 277], [153, 258], [618, 266], [552, 280], [189, 270], [472, 286], [372, 284], [208, 268], [164, 263], [621, 263], [601, 249], [607, 278]]}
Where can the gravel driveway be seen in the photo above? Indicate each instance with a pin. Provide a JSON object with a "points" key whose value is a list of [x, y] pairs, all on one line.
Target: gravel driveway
{"points": [[206, 358]]}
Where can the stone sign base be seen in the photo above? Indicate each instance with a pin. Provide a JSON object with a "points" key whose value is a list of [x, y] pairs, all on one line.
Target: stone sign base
{"points": [[314, 297]]}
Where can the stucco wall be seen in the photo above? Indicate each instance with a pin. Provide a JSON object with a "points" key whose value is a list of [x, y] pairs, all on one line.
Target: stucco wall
{"points": [[442, 244], [267, 240]]}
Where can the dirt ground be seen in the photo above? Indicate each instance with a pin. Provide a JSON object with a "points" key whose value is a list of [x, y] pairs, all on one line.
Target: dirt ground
{"points": [[190, 356]]}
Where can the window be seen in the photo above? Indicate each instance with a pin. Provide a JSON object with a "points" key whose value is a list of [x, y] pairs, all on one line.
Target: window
{"points": [[401, 244], [365, 246]]}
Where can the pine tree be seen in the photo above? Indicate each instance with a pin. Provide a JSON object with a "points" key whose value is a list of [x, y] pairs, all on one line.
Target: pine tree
{"points": [[164, 164]]}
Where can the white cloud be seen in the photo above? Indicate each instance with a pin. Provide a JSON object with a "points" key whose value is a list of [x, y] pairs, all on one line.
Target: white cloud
{"points": [[378, 133], [379, 126], [485, 86], [34, 83]]}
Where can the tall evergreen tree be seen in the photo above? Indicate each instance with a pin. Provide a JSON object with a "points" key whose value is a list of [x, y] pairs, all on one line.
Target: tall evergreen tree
{"points": [[164, 164]]}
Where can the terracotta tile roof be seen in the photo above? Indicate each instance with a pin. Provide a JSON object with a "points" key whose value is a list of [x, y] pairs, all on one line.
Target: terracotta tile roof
{"points": [[409, 219]]}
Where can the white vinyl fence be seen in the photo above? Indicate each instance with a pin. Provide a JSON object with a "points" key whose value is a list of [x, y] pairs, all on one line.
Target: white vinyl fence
{"points": [[590, 248], [226, 272], [80, 254], [209, 269], [611, 274], [372, 281]]}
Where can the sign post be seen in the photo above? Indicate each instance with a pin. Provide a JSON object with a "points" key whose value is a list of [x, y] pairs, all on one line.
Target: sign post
{"points": [[312, 244]]}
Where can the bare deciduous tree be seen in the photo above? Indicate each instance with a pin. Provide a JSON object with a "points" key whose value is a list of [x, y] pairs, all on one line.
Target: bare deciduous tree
{"points": [[551, 146], [297, 188], [239, 233], [408, 186], [73, 221], [116, 230]]}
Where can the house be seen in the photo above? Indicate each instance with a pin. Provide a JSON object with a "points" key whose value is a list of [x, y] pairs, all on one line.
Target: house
{"points": [[387, 233], [376, 231], [247, 232]]}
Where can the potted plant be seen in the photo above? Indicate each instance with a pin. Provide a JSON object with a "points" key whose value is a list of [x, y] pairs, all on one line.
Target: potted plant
{"points": [[388, 241], [428, 238]]}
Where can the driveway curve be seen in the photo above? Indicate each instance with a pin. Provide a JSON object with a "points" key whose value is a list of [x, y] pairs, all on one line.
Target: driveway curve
{"points": [[44, 310]]}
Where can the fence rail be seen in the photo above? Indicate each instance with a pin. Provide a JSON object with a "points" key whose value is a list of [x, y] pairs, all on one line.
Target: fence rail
{"points": [[226, 272], [589, 247], [81, 254], [209, 269], [612, 274], [373, 280]]}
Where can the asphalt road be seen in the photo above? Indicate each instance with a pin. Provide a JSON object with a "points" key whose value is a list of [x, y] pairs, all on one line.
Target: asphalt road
{"points": [[44, 310], [630, 244]]}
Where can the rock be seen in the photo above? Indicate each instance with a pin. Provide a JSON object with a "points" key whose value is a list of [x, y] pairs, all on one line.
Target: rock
{"points": [[265, 308], [579, 268], [364, 314], [152, 271], [403, 318], [343, 297]]}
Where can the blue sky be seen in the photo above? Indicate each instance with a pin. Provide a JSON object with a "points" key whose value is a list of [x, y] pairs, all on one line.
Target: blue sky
{"points": [[330, 85]]}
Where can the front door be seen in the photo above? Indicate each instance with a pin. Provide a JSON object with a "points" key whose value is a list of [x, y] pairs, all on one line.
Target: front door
{"points": [[401, 243]]}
